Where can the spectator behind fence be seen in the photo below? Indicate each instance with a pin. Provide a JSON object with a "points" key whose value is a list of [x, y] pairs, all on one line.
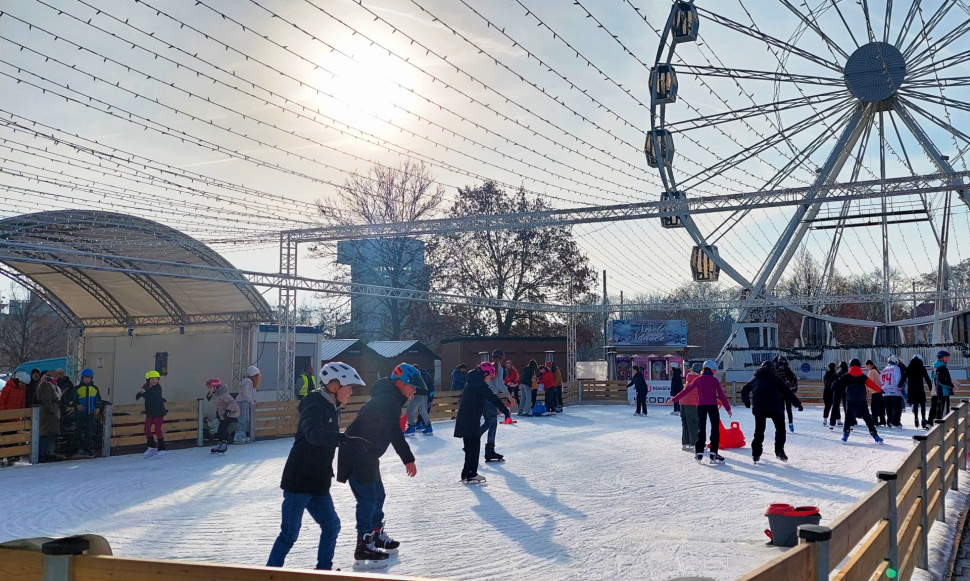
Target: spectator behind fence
{"points": [[35, 376], [458, 377], [12, 397], [48, 398], [246, 398], [87, 412]]}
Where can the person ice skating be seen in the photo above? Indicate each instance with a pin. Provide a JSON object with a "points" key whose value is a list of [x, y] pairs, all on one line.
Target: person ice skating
{"points": [[529, 380], [788, 376], [246, 398], [855, 383], [916, 376], [676, 386], [640, 385], [890, 381], [418, 406], [942, 387], [309, 466], [827, 381], [709, 391], [877, 404], [546, 382], [458, 375], [766, 395], [496, 383], [87, 412], [476, 396], [839, 404], [376, 427], [688, 412], [227, 412], [154, 414], [306, 382]]}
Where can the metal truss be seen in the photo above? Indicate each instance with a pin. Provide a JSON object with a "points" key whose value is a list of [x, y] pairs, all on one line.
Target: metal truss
{"points": [[242, 334], [834, 192], [165, 320], [286, 334], [75, 353]]}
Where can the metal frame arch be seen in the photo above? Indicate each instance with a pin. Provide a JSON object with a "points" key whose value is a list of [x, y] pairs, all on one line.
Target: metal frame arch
{"points": [[62, 310]]}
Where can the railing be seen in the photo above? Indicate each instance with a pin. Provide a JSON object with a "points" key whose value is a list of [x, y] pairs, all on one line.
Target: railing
{"points": [[20, 433], [888, 528], [125, 424]]}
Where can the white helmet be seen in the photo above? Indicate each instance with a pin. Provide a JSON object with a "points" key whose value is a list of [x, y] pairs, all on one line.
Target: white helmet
{"points": [[342, 372], [22, 377], [252, 371]]}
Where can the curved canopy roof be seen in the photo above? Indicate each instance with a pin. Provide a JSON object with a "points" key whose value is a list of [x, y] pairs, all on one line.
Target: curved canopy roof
{"points": [[58, 245]]}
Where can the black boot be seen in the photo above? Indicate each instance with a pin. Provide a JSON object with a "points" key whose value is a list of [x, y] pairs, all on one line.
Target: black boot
{"points": [[491, 455]]}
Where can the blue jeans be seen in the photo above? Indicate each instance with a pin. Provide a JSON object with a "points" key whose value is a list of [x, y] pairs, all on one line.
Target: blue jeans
{"points": [[370, 505], [490, 413], [322, 511]]}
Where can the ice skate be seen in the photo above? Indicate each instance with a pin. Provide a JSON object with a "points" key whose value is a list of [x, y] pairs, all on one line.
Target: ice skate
{"points": [[757, 460], [878, 440], [699, 457], [838, 423], [791, 427], [221, 448], [476, 479], [428, 431], [558, 409], [782, 457], [845, 438], [717, 459], [491, 455], [367, 557], [150, 452], [410, 431], [385, 543], [161, 454], [636, 414]]}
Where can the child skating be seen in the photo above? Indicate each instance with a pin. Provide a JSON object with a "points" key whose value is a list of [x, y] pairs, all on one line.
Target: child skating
{"points": [[473, 399], [855, 383], [155, 412], [709, 391], [227, 412]]}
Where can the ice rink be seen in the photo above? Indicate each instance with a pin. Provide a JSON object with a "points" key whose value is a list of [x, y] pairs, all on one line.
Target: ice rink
{"points": [[592, 494]]}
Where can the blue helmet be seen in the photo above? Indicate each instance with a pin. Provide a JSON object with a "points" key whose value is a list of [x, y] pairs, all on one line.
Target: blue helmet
{"points": [[942, 354], [87, 373], [408, 374]]}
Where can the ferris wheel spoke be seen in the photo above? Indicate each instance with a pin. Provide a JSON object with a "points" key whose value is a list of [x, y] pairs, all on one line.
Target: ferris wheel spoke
{"points": [[713, 171], [930, 25], [943, 63], [907, 22], [901, 106], [810, 23], [909, 165], [948, 39], [705, 121], [889, 19], [751, 75], [938, 99], [770, 40], [933, 83], [865, 12]]}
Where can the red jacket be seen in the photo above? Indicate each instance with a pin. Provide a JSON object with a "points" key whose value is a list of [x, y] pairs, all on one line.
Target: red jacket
{"points": [[547, 380], [708, 390], [13, 396], [689, 399], [512, 378]]}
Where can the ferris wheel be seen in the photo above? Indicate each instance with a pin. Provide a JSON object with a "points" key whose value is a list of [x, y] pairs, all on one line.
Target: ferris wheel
{"points": [[756, 96]]}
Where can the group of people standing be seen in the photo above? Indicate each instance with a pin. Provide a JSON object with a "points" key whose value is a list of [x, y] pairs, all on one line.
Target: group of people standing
{"points": [[523, 387], [888, 391]]}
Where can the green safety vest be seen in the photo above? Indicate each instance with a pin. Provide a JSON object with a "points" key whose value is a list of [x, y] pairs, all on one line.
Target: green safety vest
{"points": [[309, 384]]}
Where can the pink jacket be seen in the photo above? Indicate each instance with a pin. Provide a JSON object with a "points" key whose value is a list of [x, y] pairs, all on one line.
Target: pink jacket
{"points": [[708, 391]]}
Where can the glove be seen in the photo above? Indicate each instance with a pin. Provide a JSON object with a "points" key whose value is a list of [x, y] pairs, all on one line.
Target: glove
{"points": [[801, 409]]}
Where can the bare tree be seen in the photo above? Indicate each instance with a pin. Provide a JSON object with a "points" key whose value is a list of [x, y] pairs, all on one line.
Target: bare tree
{"points": [[385, 194], [30, 330]]}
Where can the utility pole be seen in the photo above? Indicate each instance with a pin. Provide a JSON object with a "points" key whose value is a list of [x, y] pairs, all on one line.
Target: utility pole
{"points": [[621, 305], [606, 314]]}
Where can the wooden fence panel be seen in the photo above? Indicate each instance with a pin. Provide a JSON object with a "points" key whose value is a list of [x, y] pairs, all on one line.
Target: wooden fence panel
{"points": [[14, 414], [15, 432], [909, 556], [16, 565], [909, 525], [798, 564], [867, 557], [909, 495], [850, 527], [909, 464]]}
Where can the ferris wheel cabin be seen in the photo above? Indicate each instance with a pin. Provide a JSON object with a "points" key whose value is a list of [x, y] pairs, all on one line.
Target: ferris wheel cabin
{"points": [[659, 148], [684, 23], [671, 221], [663, 84], [702, 265]]}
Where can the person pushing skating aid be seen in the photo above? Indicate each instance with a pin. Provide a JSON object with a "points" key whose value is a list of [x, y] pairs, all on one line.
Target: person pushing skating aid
{"points": [[309, 466], [376, 427], [709, 391]]}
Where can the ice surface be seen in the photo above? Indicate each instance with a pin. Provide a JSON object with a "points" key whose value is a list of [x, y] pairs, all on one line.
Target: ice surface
{"points": [[592, 494]]}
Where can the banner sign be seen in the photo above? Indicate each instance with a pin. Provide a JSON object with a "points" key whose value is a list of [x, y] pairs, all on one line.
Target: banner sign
{"points": [[658, 393], [648, 333]]}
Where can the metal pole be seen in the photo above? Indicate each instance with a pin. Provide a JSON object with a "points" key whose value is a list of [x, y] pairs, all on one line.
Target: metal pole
{"points": [[820, 537], [923, 559], [892, 517], [965, 412], [955, 485], [34, 435], [106, 441], [606, 315], [199, 440], [941, 428], [58, 554]]}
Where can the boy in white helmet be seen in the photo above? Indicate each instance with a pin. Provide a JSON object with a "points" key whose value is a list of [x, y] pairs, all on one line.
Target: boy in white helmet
{"points": [[309, 467], [246, 398]]}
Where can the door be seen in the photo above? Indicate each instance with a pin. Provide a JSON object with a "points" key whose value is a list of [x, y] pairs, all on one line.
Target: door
{"points": [[103, 366]]}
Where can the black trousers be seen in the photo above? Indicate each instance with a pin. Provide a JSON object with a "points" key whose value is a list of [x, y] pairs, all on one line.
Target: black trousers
{"points": [[551, 399], [827, 400], [791, 418], [535, 393], [641, 402], [858, 409], [939, 407], [921, 406], [704, 412], [878, 409], [227, 427], [473, 448], [838, 399], [894, 409], [760, 422]]}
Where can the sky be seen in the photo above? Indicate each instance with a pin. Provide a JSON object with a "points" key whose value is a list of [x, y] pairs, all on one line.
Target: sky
{"points": [[232, 120]]}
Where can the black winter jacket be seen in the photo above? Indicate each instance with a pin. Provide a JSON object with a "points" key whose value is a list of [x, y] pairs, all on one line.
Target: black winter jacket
{"points": [[377, 426], [829, 378], [854, 383], [789, 377], [768, 392], [639, 383], [916, 375], [941, 375], [154, 402], [676, 382], [309, 467], [473, 399]]}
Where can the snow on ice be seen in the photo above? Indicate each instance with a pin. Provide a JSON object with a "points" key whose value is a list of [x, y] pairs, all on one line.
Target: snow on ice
{"points": [[592, 494]]}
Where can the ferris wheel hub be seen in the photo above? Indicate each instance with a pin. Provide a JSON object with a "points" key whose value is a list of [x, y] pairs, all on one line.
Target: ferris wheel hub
{"points": [[875, 71]]}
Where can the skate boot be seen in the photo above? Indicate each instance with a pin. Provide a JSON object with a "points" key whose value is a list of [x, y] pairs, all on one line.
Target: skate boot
{"points": [[699, 457], [476, 479], [428, 431], [782, 457], [491, 455], [410, 431], [791, 427], [162, 452], [221, 448], [717, 459], [385, 543], [366, 556], [559, 409], [877, 439], [845, 438], [757, 460], [152, 448]]}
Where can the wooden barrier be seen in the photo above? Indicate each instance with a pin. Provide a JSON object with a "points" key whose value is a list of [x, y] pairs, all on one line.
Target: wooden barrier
{"points": [[275, 418], [888, 528], [15, 432], [127, 426], [599, 391]]}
